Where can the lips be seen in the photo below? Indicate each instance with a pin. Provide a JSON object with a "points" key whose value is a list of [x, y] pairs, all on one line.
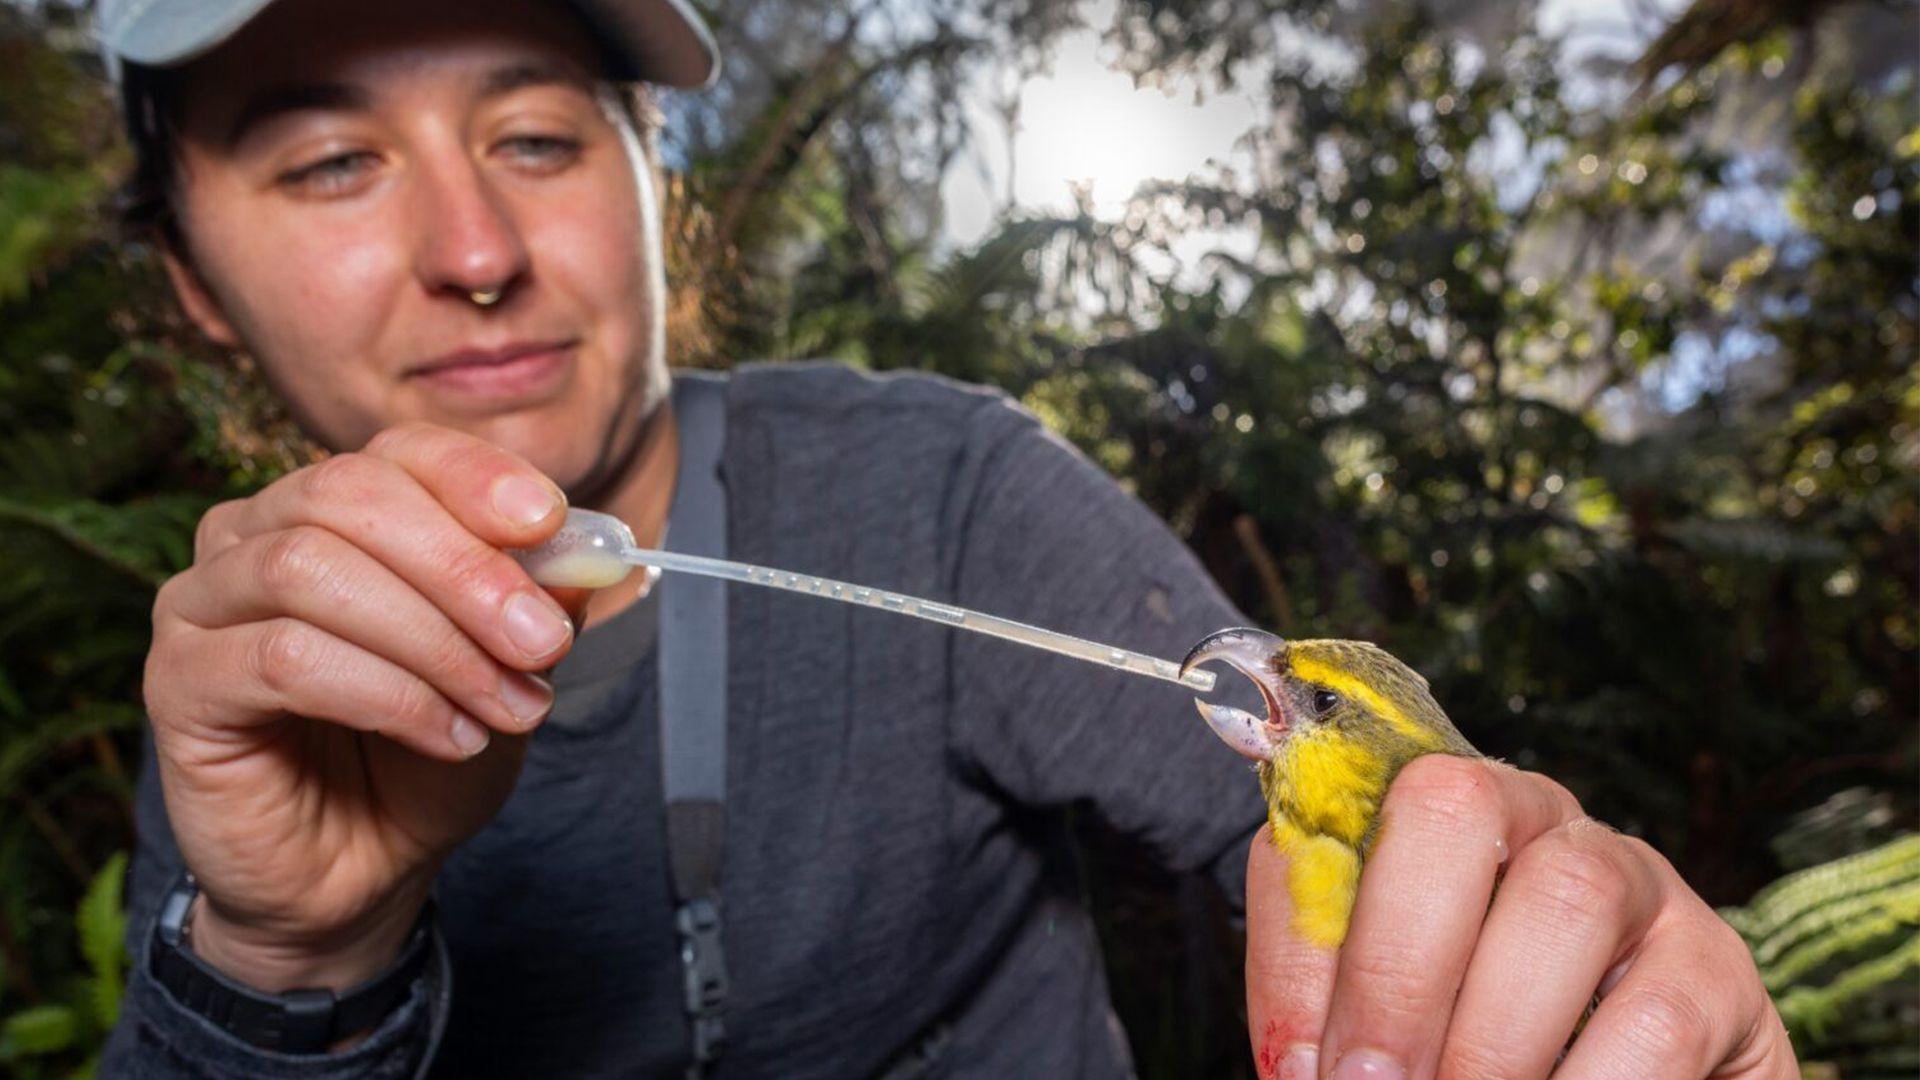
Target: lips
{"points": [[517, 370]]}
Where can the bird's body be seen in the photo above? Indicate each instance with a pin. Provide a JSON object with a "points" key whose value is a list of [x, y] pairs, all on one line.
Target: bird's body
{"points": [[1343, 718]]}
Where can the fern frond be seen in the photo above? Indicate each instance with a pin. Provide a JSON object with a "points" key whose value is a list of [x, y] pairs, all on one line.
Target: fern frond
{"points": [[102, 923], [1816, 1009]]}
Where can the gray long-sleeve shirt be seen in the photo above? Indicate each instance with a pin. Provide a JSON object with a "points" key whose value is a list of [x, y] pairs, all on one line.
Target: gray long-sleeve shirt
{"points": [[896, 853]]}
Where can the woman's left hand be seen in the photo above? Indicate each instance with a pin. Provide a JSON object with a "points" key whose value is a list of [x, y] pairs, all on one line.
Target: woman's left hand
{"points": [[1442, 976]]}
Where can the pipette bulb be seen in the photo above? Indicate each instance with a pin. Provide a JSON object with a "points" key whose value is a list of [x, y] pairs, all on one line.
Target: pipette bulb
{"points": [[587, 552]]}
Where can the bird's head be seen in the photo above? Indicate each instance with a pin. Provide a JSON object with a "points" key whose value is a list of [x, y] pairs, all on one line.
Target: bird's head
{"points": [[1352, 692]]}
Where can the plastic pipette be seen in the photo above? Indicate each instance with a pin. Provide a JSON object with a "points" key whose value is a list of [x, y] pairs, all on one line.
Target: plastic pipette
{"points": [[593, 550]]}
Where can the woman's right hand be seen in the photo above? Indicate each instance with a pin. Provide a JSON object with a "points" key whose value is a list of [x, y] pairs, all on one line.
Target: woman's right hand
{"points": [[341, 687]]}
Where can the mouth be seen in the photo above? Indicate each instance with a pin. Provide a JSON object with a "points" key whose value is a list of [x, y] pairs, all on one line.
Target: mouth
{"points": [[1251, 653], [516, 371]]}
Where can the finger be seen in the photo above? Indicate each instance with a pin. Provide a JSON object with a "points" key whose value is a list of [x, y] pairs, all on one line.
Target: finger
{"points": [[214, 532], [1447, 824], [1568, 909], [1689, 1005], [382, 510], [493, 492], [312, 575], [262, 671], [1289, 980], [467, 474]]}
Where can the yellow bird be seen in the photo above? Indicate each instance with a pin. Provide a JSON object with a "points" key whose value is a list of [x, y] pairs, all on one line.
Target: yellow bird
{"points": [[1343, 717]]}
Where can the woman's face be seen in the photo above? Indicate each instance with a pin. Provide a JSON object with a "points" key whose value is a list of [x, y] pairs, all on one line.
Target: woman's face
{"points": [[354, 171]]}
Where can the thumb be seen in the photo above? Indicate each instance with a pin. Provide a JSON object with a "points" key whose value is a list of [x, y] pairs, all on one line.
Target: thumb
{"points": [[1289, 980], [573, 601]]}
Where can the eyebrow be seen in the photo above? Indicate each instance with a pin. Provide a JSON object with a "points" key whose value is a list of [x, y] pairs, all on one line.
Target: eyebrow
{"points": [[276, 101], [505, 80]]}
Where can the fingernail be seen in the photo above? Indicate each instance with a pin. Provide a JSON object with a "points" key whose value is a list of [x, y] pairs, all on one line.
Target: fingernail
{"points": [[527, 697], [1367, 1065], [535, 625], [522, 500], [468, 735], [1301, 1063]]}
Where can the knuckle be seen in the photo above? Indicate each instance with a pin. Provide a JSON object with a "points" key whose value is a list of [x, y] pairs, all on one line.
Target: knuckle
{"points": [[1475, 1057], [413, 706], [1727, 950], [1558, 794], [1572, 874], [1451, 792], [1639, 849], [210, 533], [1666, 1023], [344, 479], [1569, 803], [1396, 980], [477, 570], [165, 598], [284, 656], [472, 456], [399, 437], [156, 676], [294, 561], [454, 661]]}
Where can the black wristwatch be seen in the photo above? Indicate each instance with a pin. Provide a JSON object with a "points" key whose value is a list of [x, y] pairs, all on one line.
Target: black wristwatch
{"points": [[303, 1021]]}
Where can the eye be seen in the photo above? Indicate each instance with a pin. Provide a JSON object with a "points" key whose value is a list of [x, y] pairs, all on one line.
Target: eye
{"points": [[543, 151], [329, 175], [1324, 702]]}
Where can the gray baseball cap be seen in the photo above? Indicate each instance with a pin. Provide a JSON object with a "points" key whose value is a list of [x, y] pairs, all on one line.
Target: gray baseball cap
{"points": [[658, 41]]}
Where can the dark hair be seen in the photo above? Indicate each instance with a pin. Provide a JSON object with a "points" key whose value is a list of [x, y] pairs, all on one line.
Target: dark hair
{"points": [[149, 103], [148, 100]]}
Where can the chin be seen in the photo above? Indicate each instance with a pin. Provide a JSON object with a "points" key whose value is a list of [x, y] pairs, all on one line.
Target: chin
{"points": [[567, 457]]}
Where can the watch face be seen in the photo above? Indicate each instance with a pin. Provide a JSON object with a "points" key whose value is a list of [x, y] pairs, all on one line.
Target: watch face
{"points": [[172, 922]]}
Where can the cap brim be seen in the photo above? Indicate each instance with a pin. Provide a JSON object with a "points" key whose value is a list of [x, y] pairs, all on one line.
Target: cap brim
{"points": [[658, 41], [164, 34], [663, 41]]}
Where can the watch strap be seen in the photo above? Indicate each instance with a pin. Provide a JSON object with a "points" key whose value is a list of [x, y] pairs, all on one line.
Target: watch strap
{"points": [[300, 1021]]}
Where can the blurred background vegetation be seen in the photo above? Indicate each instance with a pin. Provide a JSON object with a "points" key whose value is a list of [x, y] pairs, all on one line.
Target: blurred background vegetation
{"points": [[1580, 375]]}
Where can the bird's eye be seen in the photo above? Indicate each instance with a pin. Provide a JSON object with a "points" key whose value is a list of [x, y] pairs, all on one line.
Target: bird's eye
{"points": [[1324, 701]]}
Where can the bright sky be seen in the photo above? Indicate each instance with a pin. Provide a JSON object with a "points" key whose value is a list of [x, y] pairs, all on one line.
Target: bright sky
{"points": [[1084, 122]]}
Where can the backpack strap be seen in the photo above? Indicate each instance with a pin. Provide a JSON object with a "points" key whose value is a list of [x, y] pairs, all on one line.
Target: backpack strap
{"points": [[693, 708]]}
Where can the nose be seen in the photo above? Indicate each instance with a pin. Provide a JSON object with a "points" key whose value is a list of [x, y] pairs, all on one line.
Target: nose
{"points": [[470, 240]]}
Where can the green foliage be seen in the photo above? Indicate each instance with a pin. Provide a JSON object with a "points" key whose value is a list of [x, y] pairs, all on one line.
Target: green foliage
{"points": [[93, 1000], [1838, 946], [113, 442], [103, 925], [44, 1029], [1648, 524]]}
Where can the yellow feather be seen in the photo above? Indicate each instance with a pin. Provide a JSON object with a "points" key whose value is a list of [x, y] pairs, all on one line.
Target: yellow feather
{"points": [[1322, 876], [1323, 782], [1357, 690], [1322, 791], [1326, 778]]}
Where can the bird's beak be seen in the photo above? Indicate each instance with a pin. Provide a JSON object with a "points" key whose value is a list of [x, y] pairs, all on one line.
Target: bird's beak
{"points": [[1250, 652]]}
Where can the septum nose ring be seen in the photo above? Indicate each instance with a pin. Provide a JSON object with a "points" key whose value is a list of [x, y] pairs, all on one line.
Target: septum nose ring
{"points": [[487, 297]]}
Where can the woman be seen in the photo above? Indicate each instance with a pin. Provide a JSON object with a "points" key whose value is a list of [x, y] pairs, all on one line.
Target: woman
{"points": [[432, 225]]}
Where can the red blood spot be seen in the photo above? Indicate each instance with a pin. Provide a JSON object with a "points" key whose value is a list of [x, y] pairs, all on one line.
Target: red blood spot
{"points": [[1267, 1061]]}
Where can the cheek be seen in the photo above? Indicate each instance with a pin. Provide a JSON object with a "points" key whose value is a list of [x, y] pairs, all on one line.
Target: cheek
{"points": [[594, 250], [310, 300]]}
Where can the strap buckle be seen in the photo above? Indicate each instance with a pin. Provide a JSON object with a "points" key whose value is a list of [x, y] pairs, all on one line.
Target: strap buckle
{"points": [[703, 970]]}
